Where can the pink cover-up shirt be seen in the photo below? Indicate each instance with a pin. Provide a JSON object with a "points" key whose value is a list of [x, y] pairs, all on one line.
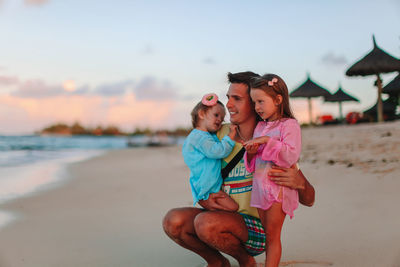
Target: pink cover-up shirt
{"points": [[282, 149]]}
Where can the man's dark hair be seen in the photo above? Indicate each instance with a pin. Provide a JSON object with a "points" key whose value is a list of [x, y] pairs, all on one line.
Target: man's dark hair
{"points": [[245, 77]]}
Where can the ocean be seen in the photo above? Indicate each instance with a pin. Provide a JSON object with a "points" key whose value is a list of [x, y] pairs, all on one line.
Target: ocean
{"points": [[32, 163]]}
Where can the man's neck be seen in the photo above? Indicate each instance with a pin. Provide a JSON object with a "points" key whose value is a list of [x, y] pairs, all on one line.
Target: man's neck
{"points": [[247, 128]]}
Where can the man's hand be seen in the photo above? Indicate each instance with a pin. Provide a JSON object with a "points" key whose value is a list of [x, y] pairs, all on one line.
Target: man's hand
{"points": [[289, 177], [294, 179]]}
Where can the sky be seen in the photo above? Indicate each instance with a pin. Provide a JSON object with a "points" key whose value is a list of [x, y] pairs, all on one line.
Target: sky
{"points": [[147, 63]]}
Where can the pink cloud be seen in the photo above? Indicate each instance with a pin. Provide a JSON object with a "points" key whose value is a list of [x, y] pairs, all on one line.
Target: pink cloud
{"points": [[126, 112], [35, 2], [38, 89], [8, 80], [152, 88]]}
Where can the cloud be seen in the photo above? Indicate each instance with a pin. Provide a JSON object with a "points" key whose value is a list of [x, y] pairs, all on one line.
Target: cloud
{"points": [[38, 89], [209, 61], [114, 89], [150, 102], [149, 88], [36, 2], [126, 112], [83, 90], [148, 50], [8, 80], [331, 59]]}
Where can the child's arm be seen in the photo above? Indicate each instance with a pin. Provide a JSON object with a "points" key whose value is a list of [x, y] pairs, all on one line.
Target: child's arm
{"points": [[257, 141], [284, 152], [249, 157], [251, 147], [219, 201], [216, 149]]}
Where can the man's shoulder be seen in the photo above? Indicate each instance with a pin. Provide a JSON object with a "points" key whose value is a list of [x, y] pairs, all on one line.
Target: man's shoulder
{"points": [[223, 131], [238, 146]]}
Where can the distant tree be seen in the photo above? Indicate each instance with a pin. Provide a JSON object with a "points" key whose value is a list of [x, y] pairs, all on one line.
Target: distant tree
{"points": [[59, 128], [145, 131], [111, 130], [97, 131], [77, 129], [180, 131]]}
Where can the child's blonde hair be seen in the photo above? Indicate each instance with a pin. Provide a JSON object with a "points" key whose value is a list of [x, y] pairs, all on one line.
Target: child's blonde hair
{"points": [[200, 106]]}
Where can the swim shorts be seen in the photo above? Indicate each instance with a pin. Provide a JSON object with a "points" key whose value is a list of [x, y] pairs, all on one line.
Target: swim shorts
{"points": [[255, 245]]}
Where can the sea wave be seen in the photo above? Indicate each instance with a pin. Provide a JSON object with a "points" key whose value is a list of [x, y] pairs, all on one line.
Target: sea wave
{"points": [[21, 150]]}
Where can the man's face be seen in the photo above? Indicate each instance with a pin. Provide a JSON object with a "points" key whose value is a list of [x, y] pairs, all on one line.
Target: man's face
{"points": [[239, 103]]}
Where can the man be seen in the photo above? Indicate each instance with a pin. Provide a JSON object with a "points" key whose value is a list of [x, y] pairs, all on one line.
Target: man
{"points": [[209, 232]]}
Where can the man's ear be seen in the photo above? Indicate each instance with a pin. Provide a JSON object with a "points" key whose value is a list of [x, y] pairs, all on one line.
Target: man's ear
{"points": [[278, 100]]}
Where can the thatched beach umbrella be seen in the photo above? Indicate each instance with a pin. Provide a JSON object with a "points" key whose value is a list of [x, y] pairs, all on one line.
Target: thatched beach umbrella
{"points": [[388, 108], [393, 88], [374, 63], [340, 96], [309, 89]]}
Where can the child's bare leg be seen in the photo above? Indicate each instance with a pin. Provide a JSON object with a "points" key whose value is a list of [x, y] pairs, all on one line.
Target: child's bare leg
{"points": [[227, 202], [272, 220]]}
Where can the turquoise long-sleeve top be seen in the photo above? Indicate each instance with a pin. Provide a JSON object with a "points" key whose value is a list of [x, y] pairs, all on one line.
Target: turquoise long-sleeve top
{"points": [[202, 153]]}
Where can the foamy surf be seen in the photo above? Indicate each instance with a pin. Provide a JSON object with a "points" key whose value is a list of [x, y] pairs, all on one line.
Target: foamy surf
{"points": [[25, 180]]}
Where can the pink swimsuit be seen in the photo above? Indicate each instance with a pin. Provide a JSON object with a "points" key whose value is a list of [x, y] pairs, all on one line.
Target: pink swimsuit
{"points": [[283, 149]]}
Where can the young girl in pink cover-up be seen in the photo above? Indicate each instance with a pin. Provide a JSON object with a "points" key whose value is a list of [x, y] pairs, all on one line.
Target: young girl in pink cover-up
{"points": [[276, 141]]}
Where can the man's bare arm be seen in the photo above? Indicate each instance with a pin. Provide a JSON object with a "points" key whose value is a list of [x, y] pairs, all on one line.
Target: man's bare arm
{"points": [[294, 179], [307, 192]]}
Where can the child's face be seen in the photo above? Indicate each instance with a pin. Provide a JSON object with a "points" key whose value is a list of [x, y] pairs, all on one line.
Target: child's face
{"points": [[213, 118], [265, 105]]}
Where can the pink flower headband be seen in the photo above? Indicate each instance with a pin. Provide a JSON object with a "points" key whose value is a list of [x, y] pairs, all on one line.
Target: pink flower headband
{"points": [[272, 82], [209, 99]]}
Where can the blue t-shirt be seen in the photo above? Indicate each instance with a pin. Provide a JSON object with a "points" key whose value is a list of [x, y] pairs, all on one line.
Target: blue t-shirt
{"points": [[202, 153]]}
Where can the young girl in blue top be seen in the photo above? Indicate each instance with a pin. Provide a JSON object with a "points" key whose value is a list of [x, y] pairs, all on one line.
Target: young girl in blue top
{"points": [[202, 152]]}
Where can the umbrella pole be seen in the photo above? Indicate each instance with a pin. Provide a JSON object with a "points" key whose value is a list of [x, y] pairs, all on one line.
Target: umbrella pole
{"points": [[310, 109], [340, 111], [379, 106]]}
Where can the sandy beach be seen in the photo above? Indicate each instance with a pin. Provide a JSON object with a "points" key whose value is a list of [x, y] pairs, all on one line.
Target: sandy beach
{"points": [[109, 211]]}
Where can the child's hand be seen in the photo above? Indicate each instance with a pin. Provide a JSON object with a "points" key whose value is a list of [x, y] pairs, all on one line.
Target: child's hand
{"points": [[233, 131], [251, 147], [259, 140]]}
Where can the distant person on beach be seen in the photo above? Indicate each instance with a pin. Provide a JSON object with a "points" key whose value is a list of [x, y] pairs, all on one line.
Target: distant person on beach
{"points": [[202, 152], [276, 140], [239, 234]]}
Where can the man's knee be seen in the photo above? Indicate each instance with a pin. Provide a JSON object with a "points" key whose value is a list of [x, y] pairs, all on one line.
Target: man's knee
{"points": [[207, 225], [173, 222]]}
